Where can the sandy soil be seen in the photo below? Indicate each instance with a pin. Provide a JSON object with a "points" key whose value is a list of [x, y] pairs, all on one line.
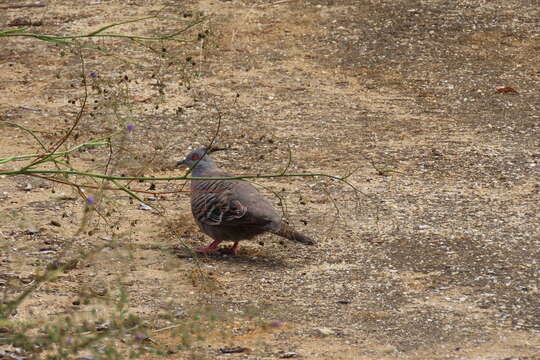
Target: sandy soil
{"points": [[436, 259]]}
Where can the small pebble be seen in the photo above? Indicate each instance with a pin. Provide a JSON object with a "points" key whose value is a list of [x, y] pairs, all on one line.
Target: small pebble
{"points": [[233, 350], [144, 207], [289, 355], [324, 331]]}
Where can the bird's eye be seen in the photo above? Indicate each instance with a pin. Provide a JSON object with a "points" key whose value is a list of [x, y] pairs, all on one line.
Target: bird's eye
{"points": [[195, 157]]}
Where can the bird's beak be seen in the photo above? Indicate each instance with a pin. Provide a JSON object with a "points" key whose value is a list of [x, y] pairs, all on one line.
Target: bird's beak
{"points": [[181, 163]]}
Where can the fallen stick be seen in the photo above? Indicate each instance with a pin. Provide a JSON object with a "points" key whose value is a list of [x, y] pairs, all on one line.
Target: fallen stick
{"points": [[23, 5], [274, 3]]}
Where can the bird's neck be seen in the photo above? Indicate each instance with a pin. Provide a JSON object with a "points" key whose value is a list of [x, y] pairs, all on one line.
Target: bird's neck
{"points": [[204, 170]]}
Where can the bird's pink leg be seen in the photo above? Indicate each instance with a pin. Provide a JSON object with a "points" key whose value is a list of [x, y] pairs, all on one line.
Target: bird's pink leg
{"points": [[231, 250], [210, 248]]}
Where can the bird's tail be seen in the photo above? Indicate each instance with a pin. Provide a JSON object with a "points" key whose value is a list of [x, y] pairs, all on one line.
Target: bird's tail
{"points": [[289, 233]]}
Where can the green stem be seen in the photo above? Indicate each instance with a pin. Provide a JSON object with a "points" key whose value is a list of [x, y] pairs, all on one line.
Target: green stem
{"points": [[52, 156], [31, 132], [99, 33], [110, 177]]}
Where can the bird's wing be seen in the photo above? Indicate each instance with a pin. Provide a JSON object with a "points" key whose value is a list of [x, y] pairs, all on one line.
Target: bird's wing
{"points": [[223, 209], [230, 203]]}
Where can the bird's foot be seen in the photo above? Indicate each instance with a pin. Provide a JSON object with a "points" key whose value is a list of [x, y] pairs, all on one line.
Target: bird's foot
{"points": [[210, 248]]}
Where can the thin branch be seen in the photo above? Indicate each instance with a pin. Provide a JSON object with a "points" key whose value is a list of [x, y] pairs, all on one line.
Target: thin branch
{"points": [[53, 155], [274, 3], [43, 158], [289, 159], [68, 40], [23, 5], [96, 187], [31, 132], [168, 327], [100, 30], [171, 178]]}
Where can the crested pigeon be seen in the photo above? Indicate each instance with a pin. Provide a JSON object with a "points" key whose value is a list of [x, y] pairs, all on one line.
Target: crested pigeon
{"points": [[231, 210]]}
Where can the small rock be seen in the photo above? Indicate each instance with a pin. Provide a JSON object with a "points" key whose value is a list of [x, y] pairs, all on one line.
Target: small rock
{"points": [[64, 264], [55, 223], [289, 355], [103, 326], [101, 291], [12, 355], [144, 207], [25, 22], [436, 153], [233, 350], [323, 331], [47, 250], [179, 314]]}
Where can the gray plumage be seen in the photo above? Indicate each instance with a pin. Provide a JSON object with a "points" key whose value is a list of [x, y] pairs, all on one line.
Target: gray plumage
{"points": [[231, 210]]}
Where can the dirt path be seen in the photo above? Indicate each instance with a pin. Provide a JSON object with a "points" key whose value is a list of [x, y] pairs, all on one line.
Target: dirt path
{"points": [[437, 259]]}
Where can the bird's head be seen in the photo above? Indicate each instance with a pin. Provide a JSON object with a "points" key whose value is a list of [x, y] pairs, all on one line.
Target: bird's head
{"points": [[198, 158]]}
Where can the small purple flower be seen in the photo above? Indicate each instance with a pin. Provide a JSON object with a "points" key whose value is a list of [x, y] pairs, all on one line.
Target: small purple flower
{"points": [[275, 324], [139, 337], [90, 200], [130, 127], [93, 75]]}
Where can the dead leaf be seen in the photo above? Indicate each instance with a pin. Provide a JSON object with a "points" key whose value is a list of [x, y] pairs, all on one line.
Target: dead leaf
{"points": [[506, 90]]}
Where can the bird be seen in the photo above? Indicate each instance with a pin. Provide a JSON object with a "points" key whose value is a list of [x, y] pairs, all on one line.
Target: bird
{"points": [[231, 210]]}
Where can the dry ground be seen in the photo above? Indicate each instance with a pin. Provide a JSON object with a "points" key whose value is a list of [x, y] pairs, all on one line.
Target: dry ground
{"points": [[436, 260]]}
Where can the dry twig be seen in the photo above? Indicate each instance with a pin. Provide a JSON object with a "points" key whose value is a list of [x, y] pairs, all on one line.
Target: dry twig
{"points": [[23, 5]]}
